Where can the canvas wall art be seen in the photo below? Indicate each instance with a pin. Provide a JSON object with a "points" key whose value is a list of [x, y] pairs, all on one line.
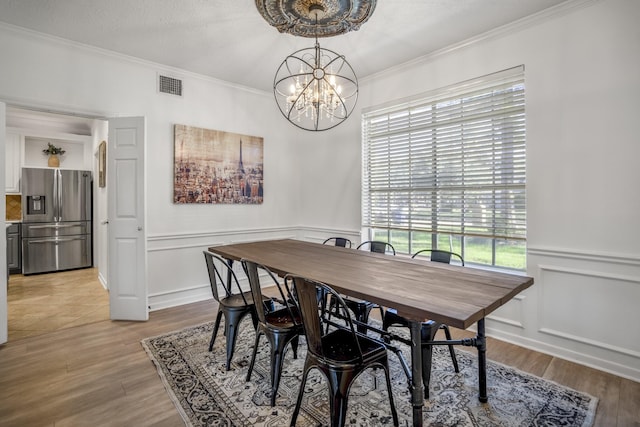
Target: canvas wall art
{"points": [[217, 167]]}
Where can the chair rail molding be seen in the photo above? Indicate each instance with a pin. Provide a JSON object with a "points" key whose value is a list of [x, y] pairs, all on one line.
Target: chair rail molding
{"points": [[179, 276], [607, 257]]}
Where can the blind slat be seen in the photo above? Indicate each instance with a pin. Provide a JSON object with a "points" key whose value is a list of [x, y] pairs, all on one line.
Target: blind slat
{"points": [[454, 165]]}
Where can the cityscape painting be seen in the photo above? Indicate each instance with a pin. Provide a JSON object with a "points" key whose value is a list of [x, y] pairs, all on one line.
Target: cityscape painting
{"points": [[217, 167]]}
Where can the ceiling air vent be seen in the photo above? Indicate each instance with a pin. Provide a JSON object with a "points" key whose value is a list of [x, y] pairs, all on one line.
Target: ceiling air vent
{"points": [[170, 85]]}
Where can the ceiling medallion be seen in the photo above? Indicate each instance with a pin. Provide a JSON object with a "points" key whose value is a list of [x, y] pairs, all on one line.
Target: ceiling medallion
{"points": [[334, 16]]}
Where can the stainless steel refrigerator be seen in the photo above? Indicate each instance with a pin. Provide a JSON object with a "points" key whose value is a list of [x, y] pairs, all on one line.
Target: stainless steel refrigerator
{"points": [[56, 220]]}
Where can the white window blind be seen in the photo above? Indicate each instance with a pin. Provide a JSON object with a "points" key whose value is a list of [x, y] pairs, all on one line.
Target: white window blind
{"points": [[451, 162]]}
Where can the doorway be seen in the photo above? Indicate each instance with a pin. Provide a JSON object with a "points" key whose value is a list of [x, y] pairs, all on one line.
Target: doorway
{"points": [[43, 303]]}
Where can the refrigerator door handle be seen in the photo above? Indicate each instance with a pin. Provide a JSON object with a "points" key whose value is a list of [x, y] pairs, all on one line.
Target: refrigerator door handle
{"points": [[59, 194], [38, 227], [55, 196], [55, 241], [71, 239]]}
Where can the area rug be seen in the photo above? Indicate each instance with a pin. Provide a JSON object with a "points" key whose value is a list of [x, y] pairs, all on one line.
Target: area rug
{"points": [[206, 394]]}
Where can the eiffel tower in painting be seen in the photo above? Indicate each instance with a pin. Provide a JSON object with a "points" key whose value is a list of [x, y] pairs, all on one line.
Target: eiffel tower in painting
{"points": [[240, 165]]}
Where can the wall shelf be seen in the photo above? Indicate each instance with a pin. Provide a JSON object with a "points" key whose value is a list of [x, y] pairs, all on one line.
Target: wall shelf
{"points": [[78, 149]]}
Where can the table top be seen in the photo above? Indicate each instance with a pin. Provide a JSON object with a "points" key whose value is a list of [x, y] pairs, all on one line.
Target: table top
{"points": [[417, 289]]}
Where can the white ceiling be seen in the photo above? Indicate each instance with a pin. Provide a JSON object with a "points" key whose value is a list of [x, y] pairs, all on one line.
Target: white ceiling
{"points": [[229, 40]]}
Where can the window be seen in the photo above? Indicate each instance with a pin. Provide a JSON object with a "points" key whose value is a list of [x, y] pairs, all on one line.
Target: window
{"points": [[447, 170]]}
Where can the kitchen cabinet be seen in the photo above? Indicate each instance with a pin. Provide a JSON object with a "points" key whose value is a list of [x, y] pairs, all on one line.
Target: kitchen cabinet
{"points": [[14, 249], [13, 150]]}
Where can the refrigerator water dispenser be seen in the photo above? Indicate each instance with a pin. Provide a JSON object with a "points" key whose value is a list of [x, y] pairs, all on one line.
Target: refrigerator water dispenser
{"points": [[36, 205]]}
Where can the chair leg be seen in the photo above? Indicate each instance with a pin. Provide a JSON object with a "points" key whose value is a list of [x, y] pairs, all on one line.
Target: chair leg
{"points": [[447, 333], [394, 413], [233, 319], [215, 330], [332, 306], [296, 411], [339, 383], [253, 356], [362, 315], [294, 346], [278, 345]]}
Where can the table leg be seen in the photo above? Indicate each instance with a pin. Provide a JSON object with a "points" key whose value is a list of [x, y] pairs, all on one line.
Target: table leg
{"points": [[417, 396], [481, 344]]}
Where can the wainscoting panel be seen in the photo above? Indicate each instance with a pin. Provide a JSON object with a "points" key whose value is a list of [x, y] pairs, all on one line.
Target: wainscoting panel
{"points": [[582, 307], [177, 271], [510, 315]]}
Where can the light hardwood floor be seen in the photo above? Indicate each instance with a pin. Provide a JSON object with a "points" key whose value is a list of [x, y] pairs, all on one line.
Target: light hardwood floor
{"points": [[42, 303], [98, 374]]}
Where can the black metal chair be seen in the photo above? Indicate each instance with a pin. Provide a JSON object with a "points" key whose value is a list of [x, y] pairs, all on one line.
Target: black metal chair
{"points": [[391, 317], [234, 304], [338, 241], [279, 321], [362, 308], [377, 247], [438, 255], [340, 353]]}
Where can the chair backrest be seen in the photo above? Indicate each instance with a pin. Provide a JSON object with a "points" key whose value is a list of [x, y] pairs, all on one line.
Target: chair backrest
{"points": [[253, 271], [338, 241], [221, 273], [438, 255], [378, 247], [307, 290]]}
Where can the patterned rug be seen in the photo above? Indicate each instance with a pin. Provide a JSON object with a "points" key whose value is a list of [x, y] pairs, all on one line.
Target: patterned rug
{"points": [[206, 394]]}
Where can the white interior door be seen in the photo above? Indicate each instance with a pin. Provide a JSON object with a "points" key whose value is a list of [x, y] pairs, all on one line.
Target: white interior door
{"points": [[4, 331], [127, 254]]}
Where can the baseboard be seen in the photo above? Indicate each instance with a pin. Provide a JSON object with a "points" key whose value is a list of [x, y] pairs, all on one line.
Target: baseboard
{"points": [[600, 364], [103, 281]]}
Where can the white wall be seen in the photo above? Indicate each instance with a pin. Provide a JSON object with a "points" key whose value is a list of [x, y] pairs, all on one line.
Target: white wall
{"points": [[42, 72], [582, 73]]}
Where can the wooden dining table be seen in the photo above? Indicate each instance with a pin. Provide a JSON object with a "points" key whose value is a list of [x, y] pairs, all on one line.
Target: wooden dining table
{"points": [[419, 290]]}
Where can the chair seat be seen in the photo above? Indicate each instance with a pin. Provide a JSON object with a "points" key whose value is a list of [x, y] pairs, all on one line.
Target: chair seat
{"points": [[236, 301], [339, 345], [282, 318]]}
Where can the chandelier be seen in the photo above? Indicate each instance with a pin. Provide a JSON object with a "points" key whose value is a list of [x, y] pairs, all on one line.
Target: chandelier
{"points": [[315, 89]]}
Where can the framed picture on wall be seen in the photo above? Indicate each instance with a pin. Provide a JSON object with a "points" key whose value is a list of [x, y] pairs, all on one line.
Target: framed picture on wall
{"points": [[217, 167], [102, 164]]}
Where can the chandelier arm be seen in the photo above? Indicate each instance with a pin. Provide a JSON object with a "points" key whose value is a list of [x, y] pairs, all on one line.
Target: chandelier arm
{"points": [[302, 92], [295, 75], [301, 57], [340, 98], [344, 61]]}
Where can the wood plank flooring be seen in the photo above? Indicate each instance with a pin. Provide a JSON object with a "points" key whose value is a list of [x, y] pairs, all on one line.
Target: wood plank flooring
{"points": [[42, 303], [98, 374]]}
